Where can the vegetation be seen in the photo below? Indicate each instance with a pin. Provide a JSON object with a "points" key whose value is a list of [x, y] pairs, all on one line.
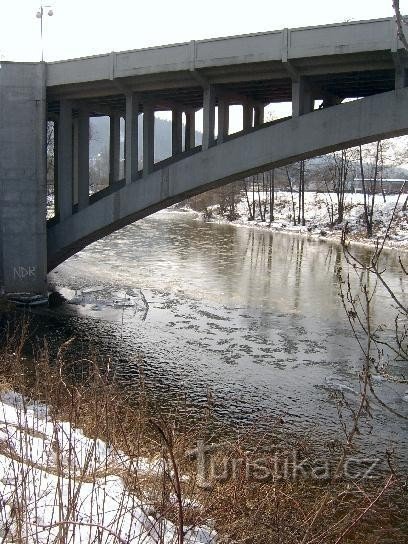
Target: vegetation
{"points": [[251, 488], [264, 197]]}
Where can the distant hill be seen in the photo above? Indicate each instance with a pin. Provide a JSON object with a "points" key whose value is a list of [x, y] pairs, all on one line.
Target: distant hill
{"points": [[99, 143], [99, 148]]}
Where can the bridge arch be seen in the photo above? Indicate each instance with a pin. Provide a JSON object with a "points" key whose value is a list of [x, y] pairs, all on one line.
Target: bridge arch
{"points": [[361, 121]]}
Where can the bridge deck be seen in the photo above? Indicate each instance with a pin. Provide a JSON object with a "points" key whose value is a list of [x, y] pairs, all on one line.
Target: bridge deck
{"points": [[352, 59]]}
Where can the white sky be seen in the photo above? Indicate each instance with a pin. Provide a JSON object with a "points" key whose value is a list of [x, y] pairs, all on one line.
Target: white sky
{"points": [[86, 27]]}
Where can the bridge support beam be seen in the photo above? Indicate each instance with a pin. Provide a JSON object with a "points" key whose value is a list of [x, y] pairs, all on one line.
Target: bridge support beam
{"points": [[247, 115], [401, 69], [65, 160], [208, 116], [176, 131], [148, 138], [114, 148], [83, 159], [401, 77], [23, 249], [259, 114], [302, 97], [132, 137], [223, 119], [55, 153], [75, 151], [189, 135]]}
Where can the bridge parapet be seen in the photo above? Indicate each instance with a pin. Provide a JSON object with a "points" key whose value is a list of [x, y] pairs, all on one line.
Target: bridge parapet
{"points": [[354, 37]]}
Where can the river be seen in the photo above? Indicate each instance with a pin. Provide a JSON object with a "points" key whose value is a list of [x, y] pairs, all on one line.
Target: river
{"points": [[248, 318]]}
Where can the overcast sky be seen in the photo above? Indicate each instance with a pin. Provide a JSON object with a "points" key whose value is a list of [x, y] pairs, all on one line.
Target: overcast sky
{"points": [[86, 27]]}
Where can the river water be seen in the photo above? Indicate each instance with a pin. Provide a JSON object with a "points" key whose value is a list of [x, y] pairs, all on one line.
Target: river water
{"points": [[248, 318]]}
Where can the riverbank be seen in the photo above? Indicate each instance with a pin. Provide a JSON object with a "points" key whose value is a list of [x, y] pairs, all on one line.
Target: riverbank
{"points": [[57, 484], [317, 209], [79, 463]]}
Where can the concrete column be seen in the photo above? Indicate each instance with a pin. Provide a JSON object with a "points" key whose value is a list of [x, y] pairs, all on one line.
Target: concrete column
{"points": [[176, 131], [132, 137], [189, 136], [65, 160], [259, 115], [223, 119], [83, 159], [56, 200], [208, 116], [247, 112], [23, 186], [75, 148], [148, 138], [401, 73], [114, 148], [302, 97]]}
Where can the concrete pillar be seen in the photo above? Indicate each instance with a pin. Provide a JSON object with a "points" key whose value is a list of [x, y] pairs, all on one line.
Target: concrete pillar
{"points": [[223, 120], [176, 131], [148, 138], [189, 136], [65, 160], [247, 113], [83, 159], [114, 148], [259, 110], [302, 97], [56, 199], [401, 74], [23, 187], [75, 148], [208, 116], [132, 137]]}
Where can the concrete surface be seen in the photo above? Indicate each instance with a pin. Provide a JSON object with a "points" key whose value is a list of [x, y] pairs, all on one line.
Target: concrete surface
{"points": [[23, 252]]}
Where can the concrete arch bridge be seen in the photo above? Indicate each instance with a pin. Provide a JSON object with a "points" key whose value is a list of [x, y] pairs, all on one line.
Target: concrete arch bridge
{"points": [[359, 60]]}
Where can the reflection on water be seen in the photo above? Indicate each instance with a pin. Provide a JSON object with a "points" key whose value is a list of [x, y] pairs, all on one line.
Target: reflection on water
{"points": [[250, 315]]}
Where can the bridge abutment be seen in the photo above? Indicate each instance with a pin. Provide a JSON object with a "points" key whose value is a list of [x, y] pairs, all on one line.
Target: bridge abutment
{"points": [[23, 188]]}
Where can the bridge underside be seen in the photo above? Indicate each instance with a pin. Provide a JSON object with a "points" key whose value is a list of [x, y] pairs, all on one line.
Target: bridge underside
{"points": [[255, 150]]}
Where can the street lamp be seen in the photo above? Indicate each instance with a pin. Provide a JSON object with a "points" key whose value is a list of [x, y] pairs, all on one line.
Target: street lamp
{"points": [[40, 15]]}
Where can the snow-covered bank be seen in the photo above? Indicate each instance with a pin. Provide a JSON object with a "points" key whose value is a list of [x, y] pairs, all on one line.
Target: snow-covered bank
{"points": [[56, 484], [317, 217]]}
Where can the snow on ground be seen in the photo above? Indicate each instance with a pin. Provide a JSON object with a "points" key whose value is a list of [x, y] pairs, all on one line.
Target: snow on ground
{"points": [[318, 219], [55, 479]]}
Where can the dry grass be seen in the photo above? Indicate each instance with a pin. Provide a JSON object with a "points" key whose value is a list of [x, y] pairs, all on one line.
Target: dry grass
{"points": [[255, 501]]}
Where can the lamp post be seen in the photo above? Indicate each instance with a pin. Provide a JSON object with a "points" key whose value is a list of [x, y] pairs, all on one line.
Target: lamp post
{"points": [[40, 15]]}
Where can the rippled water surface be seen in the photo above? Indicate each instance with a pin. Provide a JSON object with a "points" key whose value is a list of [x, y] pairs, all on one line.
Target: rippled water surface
{"points": [[251, 316]]}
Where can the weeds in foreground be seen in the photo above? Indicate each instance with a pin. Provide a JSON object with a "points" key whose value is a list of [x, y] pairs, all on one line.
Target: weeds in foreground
{"points": [[83, 462]]}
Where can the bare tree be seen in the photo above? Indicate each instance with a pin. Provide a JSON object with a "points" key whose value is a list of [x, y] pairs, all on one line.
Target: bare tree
{"points": [[228, 197], [361, 321], [335, 173], [271, 195], [250, 207], [401, 23], [291, 195], [369, 158], [301, 207]]}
